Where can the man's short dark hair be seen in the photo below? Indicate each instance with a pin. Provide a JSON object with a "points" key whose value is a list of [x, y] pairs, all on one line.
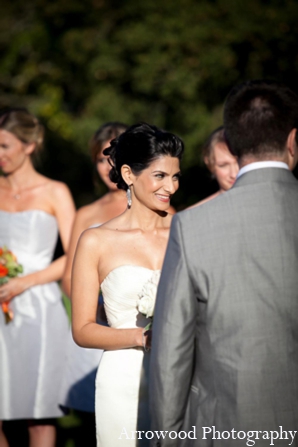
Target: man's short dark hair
{"points": [[258, 117]]}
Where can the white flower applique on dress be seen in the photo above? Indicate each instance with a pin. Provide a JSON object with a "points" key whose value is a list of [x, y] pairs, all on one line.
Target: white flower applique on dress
{"points": [[147, 296]]}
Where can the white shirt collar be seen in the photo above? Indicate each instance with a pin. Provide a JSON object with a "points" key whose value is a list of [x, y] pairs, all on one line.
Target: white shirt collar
{"points": [[262, 164]]}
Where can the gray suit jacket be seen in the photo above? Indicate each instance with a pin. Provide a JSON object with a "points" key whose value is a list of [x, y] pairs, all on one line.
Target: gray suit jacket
{"points": [[225, 331]]}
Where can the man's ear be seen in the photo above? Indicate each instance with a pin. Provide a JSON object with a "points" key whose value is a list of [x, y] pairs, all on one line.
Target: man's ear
{"points": [[127, 174], [292, 149]]}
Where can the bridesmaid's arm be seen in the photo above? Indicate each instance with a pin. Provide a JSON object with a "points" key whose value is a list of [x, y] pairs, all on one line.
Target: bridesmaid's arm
{"points": [[18, 285], [85, 287], [64, 211], [78, 227]]}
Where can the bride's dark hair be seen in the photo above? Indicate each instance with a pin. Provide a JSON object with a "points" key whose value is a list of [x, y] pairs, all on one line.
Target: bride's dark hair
{"points": [[138, 147]]}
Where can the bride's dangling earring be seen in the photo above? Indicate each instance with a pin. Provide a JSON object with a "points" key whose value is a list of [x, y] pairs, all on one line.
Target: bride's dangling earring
{"points": [[128, 195]]}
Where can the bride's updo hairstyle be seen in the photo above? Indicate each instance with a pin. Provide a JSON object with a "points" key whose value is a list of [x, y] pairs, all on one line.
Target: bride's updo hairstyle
{"points": [[138, 147], [23, 125]]}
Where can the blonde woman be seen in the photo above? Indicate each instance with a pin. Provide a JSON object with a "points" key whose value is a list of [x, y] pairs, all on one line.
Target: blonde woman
{"points": [[220, 162], [33, 209]]}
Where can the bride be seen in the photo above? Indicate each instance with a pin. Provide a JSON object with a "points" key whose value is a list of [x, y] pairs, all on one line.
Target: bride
{"points": [[121, 257]]}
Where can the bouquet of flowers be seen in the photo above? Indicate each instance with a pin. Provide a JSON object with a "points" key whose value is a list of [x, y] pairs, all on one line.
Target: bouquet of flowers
{"points": [[9, 268], [147, 297]]}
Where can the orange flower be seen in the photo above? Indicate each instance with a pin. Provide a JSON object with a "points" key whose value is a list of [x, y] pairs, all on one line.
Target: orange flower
{"points": [[5, 306], [8, 313], [3, 271], [1, 251]]}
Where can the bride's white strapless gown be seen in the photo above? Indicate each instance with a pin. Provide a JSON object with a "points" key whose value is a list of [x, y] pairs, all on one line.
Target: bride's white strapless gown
{"points": [[122, 378]]}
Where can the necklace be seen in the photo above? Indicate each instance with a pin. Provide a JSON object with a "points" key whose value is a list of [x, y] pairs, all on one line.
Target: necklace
{"points": [[18, 194]]}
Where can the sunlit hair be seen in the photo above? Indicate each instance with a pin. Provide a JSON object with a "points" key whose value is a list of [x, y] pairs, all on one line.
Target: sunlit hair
{"points": [[138, 147], [105, 133], [258, 117], [23, 125], [217, 136]]}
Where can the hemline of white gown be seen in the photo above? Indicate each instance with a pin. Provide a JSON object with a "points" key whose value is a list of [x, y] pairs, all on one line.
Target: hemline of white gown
{"points": [[122, 403]]}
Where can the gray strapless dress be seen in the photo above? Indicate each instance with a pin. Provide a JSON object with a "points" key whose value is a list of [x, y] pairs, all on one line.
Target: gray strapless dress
{"points": [[32, 346], [78, 383]]}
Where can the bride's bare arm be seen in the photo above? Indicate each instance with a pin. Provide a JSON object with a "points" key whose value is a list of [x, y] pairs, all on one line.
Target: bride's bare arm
{"points": [[84, 297]]}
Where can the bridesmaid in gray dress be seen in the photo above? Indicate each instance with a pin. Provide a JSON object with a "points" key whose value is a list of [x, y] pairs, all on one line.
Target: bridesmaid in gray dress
{"points": [[33, 209]]}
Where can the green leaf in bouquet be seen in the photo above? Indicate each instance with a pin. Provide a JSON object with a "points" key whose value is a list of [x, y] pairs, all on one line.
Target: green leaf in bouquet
{"points": [[149, 326], [3, 280], [11, 264], [9, 257]]}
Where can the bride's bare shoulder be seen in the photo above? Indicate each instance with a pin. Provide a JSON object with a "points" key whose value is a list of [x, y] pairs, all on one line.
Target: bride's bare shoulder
{"points": [[113, 225], [102, 234]]}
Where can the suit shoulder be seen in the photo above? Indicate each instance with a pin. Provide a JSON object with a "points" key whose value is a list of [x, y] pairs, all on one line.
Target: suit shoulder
{"points": [[202, 208]]}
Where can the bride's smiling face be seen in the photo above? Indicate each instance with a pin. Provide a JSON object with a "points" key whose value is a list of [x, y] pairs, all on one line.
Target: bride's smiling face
{"points": [[155, 185]]}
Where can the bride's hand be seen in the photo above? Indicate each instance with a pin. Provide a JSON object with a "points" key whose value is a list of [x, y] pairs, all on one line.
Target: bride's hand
{"points": [[14, 287], [144, 338], [147, 337]]}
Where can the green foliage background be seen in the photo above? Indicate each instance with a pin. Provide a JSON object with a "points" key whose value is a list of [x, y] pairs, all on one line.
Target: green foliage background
{"points": [[80, 63]]}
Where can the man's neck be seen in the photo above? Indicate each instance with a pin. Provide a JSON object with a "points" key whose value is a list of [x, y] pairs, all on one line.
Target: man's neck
{"points": [[246, 160], [255, 165]]}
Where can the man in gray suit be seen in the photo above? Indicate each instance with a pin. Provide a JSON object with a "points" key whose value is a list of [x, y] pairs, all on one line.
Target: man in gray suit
{"points": [[224, 364]]}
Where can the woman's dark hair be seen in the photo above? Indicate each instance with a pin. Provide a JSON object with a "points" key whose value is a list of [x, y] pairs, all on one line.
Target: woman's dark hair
{"points": [[23, 125], [258, 117], [138, 147], [106, 132]]}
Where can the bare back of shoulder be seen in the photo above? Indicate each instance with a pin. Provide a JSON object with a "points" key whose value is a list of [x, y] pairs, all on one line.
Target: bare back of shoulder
{"points": [[99, 212]]}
